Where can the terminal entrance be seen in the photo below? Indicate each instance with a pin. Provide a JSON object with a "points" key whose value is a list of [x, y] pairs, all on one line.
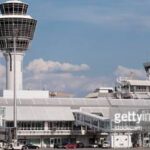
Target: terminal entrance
{"points": [[51, 142], [55, 141]]}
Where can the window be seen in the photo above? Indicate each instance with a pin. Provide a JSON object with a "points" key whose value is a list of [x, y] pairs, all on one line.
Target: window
{"points": [[60, 125], [31, 125]]}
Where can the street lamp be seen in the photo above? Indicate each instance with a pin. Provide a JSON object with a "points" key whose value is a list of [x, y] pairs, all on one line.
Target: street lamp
{"points": [[15, 33]]}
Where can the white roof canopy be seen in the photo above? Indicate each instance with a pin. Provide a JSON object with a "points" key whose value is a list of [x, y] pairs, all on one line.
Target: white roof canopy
{"points": [[40, 114]]}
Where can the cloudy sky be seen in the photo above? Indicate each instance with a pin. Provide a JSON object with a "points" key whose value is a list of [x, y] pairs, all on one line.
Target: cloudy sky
{"points": [[80, 45]]}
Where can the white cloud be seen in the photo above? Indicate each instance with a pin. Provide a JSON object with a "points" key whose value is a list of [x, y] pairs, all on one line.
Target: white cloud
{"points": [[39, 65], [78, 85], [67, 81], [56, 76], [122, 71]]}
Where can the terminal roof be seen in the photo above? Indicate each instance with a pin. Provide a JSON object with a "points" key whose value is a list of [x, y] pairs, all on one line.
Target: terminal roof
{"points": [[40, 113]]}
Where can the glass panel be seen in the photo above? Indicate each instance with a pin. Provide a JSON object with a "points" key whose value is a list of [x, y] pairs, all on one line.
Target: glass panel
{"points": [[47, 141], [35, 141], [51, 141]]}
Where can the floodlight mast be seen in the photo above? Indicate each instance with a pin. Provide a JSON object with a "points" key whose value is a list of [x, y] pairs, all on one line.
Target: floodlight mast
{"points": [[16, 31], [15, 94]]}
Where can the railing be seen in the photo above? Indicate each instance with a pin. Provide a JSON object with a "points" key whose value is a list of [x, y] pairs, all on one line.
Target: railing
{"points": [[47, 132]]}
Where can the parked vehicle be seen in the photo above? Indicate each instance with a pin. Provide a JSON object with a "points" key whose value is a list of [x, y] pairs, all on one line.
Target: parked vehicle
{"points": [[69, 145], [29, 146], [93, 146], [72, 146], [59, 146], [80, 145], [106, 144], [13, 146]]}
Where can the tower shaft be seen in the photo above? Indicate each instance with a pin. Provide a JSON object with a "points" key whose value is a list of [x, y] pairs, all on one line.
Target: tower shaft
{"points": [[9, 57]]}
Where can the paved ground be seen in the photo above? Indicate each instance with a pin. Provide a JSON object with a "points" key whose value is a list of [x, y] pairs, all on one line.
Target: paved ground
{"points": [[100, 149]]}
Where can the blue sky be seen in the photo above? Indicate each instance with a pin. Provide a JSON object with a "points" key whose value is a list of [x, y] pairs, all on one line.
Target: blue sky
{"points": [[99, 39]]}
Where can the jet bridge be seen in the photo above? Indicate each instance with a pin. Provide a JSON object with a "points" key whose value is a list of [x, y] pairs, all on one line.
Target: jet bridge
{"points": [[94, 122]]}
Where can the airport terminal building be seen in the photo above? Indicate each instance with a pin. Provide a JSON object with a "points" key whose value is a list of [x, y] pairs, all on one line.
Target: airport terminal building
{"points": [[49, 121], [120, 115], [57, 120]]}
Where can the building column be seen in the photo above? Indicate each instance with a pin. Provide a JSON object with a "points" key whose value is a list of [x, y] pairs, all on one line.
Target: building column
{"points": [[140, 140], [46, 125], [42, 142]]}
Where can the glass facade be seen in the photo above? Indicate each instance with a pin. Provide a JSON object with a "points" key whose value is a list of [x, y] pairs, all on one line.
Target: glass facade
{"points": [[25, 30], [25, 27], [27, 125], [15, 23], [60, 125], [13, 8]]}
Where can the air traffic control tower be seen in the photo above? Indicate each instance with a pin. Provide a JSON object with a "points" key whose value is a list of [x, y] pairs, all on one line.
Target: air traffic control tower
{"points": [[16, 31]]}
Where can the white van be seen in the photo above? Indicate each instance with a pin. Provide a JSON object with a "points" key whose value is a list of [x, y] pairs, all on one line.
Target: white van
{"points": [[13, 146]]}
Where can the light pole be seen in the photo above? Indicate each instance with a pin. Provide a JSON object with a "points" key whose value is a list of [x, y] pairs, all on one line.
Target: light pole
{"points": [[15, 32]]}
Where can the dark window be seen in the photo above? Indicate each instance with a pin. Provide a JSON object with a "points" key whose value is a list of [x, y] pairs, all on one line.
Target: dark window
{"points": [[10, 9]]}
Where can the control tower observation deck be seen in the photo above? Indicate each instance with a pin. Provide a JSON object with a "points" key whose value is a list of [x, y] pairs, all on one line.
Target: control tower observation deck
{"points": [[16, 31]]}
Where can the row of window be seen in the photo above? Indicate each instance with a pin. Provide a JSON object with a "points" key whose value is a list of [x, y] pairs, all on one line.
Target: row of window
{"points": [[60, 125], [25, 27], [27, 125], [14, 8], [28, 33], [136, 88], [21, 44], [16, 21]]}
